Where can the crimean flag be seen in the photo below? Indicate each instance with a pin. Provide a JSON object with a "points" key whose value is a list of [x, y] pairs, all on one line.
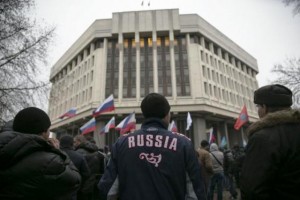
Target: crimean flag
{"points": [[88, 127], [106, 106], [70, 113], [108, 126], [242, 119], [189, 121], [212, 137], [127, 124], [172, 127]]}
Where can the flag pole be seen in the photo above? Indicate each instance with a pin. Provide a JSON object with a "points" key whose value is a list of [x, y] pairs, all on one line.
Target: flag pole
{"points": [[243, 136], [73, 129]]}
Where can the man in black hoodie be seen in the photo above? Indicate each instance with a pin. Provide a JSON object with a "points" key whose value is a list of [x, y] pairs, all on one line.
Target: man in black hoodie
{"points": [[30, 166]]}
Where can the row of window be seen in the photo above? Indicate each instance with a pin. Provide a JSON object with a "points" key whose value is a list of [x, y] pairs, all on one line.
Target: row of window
{"points": [[226, 96], [221, 53], [227, 81], [228, 70], [146, 66]]}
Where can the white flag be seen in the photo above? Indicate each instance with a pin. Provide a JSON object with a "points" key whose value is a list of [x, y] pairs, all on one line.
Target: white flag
{"points": [[188, 121]]}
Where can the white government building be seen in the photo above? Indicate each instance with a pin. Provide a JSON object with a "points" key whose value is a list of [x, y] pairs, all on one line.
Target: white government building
{"points": [[181, 56]]}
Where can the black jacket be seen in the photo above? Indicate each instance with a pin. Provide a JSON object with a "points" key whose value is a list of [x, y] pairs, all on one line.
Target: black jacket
{"points": [[95, 161], [79, 162], [153, 163], [30, 168], [271, 169]]}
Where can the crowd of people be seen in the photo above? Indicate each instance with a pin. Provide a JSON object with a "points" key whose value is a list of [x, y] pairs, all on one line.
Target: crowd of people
{"points": [[221, 169], [154, 163]]}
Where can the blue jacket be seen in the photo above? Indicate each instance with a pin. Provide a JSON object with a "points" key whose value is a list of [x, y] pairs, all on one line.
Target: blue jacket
{"points": [[153, 163]]}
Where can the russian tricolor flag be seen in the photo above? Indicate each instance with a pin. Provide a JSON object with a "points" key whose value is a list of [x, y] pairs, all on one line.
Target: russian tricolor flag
{"points": [[173, 127], [106, 106], [212, 137], [70, 113], [88, 127], [109, 125], [127, 124]]}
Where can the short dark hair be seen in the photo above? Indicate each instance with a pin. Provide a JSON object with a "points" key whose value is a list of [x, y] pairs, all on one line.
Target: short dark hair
{"points": [[204, 143], [155, 105], [66, 141]]}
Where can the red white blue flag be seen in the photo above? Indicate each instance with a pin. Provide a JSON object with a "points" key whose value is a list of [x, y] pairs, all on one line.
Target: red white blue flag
{"points": [[108, 126], [88, 127], [106, 106], [212, 138], [70, 113], [173, 127], [127, 124], [242, 119]]}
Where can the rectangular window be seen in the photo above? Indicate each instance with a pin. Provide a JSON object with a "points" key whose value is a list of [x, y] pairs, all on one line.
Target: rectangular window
{"points": [[93, 60]]}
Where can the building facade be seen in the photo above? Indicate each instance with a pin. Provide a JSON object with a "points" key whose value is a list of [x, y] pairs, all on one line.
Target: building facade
{"points": [[183, 57]]}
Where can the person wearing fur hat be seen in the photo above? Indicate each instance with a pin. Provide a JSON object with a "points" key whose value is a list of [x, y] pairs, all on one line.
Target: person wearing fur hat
{"points": [[153, 163], [271, 166], [30, 166]]}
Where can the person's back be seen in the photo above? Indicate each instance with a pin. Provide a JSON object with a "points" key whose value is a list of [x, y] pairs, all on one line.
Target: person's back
{"points": [[238, 156], [206, 162], [153, 163], [271, 166], [66, 145], [278, 176], [30, 167], [95, 161], [217, 158]]}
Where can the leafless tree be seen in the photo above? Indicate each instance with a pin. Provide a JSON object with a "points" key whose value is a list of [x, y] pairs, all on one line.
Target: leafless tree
{"points": [[289, 75], [295, 3], [23, 50]]}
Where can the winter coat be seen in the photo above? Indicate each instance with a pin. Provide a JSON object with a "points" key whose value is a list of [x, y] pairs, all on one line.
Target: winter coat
{"points": [[30, 168], [95, 161], [228, 163], [153, 163], [8, 126], [216, 156], [206, 164], [271, 168], [79, 162]]}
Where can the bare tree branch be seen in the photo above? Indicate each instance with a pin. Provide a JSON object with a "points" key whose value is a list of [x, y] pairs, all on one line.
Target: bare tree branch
{"points": [[295, 3], [289, 75], [23, 51]]}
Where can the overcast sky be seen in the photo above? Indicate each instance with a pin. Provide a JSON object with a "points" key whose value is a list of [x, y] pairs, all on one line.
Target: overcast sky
{"points": [[264, 28]]}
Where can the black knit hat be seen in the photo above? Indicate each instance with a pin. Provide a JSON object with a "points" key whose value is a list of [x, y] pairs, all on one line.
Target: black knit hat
{"points": [[155, 105], [273, 95], [31, 120]]}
